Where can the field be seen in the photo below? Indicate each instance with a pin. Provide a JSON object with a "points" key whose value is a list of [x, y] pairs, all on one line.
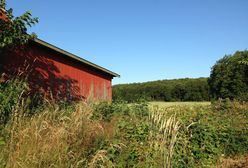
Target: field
{"points": [[173, 104]]}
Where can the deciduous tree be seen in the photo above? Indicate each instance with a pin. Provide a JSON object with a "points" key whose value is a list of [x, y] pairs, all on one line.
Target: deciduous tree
{"points": [[13, 30], [229, 77]]}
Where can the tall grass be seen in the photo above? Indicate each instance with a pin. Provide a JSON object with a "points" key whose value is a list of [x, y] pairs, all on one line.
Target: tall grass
{"points": [[164, 133], [52, 138], [57, 138], [118, 134]]}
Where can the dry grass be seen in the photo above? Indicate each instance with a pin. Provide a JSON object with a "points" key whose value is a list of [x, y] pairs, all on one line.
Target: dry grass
{"points": [[163, 136], [100, 160], [52, 139], [241, 162]]}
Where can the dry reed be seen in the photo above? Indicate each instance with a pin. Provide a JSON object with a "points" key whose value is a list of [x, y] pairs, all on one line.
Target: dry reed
{"points": [[53, 138], [163, 134]]}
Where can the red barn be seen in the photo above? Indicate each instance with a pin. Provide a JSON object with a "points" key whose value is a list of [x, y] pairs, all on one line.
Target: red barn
{"points": [[57, 73]]}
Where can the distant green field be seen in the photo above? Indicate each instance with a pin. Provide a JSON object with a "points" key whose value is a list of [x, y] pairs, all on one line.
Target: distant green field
{"points": [[168, 104]]}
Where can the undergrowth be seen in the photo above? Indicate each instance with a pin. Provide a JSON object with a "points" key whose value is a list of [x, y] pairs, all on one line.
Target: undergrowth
{"points": [[117, 134]]}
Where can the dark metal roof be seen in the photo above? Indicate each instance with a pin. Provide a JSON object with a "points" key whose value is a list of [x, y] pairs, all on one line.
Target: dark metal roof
{"points": [[43, 43]]}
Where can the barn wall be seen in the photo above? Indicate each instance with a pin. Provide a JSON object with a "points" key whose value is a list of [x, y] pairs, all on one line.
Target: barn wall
{"points": [[52, 73]]}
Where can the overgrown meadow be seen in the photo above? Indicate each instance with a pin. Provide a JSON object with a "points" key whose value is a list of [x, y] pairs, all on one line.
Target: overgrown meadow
{"points": [[118, 134]]}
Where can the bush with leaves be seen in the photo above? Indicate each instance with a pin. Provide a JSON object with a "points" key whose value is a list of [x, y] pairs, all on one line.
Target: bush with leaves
{"points": [[211, 132], [13, 33], [229, 77], [12, 93], [13, 30]]}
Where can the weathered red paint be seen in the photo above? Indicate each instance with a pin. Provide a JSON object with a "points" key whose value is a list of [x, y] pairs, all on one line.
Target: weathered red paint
{"points": [[52, 73]]}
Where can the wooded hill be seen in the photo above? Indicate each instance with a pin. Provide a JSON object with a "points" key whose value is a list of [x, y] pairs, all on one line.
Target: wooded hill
{"points": [[187, 89]]}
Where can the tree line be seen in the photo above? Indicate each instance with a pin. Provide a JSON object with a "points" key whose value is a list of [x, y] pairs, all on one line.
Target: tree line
{"points": [[228, 79], [187, 89]]}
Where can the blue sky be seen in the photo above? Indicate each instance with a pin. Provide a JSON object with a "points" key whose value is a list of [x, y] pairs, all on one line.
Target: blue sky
{"points": [[143, 40]]}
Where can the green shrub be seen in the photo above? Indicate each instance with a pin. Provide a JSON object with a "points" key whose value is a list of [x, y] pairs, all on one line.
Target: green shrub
{"points": [[135, 135], [140, 108], [204, 143], [197, 145], [106, 110], [235, 142], [222, 105], [11, 97], [134, 131], [103, 111], [121, 108]]}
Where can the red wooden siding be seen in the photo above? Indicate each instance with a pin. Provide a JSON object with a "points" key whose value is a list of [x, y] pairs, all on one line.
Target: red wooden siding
{"points": [[51, 72]]}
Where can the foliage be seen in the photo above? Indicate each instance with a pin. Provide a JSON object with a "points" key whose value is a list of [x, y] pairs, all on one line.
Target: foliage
{"points": [[103, 110], [11, 96], [134, 134], [119, 134], [13, 30], [166, 90], [205, 145], [210, 132], [229, 77], [139, 108], [106, 110], [65, 135]]}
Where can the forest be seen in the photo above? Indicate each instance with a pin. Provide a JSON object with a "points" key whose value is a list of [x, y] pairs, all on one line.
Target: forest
{"points": [[187, 89]]}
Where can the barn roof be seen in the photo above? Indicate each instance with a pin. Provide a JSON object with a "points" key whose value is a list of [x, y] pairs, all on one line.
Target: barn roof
{"points": [[81, 60]]}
